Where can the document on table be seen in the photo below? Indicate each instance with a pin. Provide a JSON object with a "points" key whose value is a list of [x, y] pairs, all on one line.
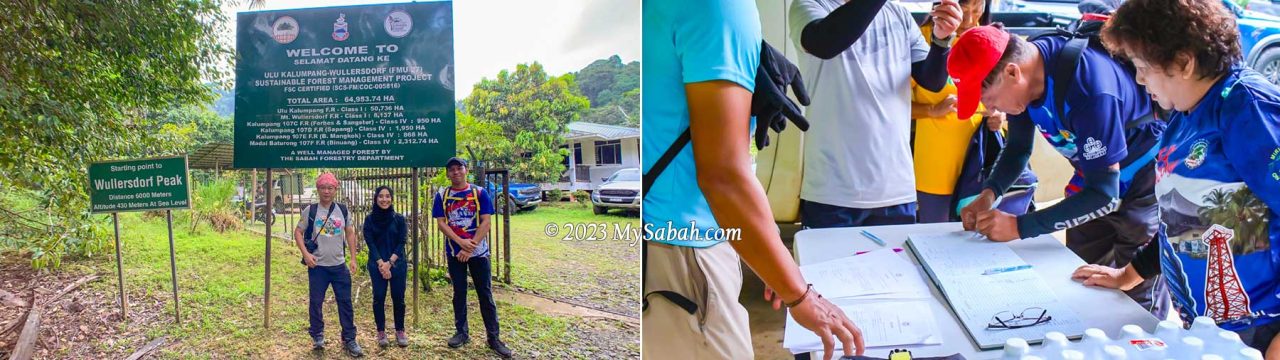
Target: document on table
{"points": [[957, 262], [896, 323], [881, 273]]}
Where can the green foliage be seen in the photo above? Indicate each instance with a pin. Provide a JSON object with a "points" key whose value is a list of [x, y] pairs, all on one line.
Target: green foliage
{"points": [[34, 230], [533, 111], [78, 84], [555, 195], [614, 91], [192, 126], [582, 196], [211, 204]]}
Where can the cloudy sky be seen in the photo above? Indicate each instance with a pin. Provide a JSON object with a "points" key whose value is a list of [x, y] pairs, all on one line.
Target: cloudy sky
{"points": [[491, 35]]}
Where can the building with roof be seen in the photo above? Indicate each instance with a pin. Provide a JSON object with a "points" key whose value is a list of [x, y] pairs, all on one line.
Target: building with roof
{"points": [[596, 151]]}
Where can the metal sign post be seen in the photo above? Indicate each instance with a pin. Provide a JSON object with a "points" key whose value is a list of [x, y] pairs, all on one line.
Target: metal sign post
{"points": [[140, 185], [124, 303], [266, 278], [173, 267]]}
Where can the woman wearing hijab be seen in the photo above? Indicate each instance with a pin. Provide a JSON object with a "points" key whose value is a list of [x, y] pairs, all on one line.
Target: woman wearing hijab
{"points": [[385, 233]]}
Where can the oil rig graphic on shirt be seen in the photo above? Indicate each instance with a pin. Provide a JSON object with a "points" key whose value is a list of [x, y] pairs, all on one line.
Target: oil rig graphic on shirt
{"points": [[1225, 298]]}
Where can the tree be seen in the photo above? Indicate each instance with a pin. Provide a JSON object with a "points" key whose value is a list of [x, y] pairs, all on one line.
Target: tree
{"points": [[614, 91], [533, 111], [77, 84]]}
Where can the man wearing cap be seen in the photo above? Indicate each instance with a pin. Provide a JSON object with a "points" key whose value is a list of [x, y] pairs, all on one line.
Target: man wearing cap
{"points": [[323, 237], [462, 212], [859, 60], [1102, 123]]}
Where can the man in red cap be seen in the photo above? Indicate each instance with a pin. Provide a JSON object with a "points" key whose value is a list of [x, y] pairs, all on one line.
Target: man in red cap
{"points": [[1087, 105]]}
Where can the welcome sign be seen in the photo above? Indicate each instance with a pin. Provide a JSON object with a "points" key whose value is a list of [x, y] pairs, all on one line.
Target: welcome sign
{"points": [[351, 86]]}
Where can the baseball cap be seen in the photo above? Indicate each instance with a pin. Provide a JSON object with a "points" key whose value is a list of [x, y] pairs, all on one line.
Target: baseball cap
{"points": [[455, 161], [972, 57]]}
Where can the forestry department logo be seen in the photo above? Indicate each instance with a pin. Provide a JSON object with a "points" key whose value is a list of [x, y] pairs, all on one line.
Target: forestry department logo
{"points": [[398, 23], [340, 32], [1196, 156], [284, 29]]}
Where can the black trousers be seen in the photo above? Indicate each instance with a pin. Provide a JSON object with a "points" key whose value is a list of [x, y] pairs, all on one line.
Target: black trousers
{"points": [[481, 276]]}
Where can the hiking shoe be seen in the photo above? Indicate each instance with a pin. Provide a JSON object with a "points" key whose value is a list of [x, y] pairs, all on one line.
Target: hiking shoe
{"points": [[402, 340], [354, 349], [500, 348], [317, 343], [458, 340], [382, 339]]}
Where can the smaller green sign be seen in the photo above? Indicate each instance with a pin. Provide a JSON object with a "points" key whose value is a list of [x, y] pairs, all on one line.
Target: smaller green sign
{"points": [[138, 185]]}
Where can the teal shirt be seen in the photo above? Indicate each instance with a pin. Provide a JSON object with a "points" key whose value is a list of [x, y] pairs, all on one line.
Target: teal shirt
{"points": [[688, 42]]}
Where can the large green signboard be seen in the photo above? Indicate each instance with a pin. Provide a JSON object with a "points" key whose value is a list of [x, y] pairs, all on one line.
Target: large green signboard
{"points": [[352, 86], [137, 185]]}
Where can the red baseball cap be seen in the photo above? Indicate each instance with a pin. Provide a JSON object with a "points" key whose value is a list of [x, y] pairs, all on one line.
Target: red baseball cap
{"points": [[972, 57]]}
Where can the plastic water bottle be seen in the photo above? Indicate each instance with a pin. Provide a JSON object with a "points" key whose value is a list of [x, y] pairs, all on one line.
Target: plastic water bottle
{"points": [[1140, 345], [1092, 343], [1227, 344], [1250, 354], [1015, 349], [1114, 352], [1189, 347], [1204, 327], [1072, 355], [1169, 329]]}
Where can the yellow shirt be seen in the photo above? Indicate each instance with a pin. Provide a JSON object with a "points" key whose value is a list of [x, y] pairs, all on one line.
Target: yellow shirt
{"points": [[941, 143]]}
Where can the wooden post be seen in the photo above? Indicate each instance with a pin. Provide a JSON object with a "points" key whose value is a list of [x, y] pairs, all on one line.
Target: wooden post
{"points": [[173, 267], [267, 219], [124, 303]]}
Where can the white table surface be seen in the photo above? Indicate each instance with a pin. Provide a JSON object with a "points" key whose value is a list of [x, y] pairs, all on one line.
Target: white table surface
{"points": [[1105, 309]]}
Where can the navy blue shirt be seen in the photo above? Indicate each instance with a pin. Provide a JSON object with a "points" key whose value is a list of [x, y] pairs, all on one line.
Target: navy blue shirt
{"points": [[383, 241], [1101, 98]]}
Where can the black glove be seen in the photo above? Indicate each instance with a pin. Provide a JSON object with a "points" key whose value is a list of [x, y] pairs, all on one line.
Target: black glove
{"points": [[769, 102]]}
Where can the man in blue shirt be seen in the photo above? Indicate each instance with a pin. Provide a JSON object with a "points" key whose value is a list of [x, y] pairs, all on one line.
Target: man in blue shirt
{"points": [[1218, 168], [1101, 122], [462, 212], [700, 66]]}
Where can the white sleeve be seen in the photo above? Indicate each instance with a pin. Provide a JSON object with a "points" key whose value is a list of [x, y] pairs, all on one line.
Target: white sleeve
{"points": [[919, 45]]}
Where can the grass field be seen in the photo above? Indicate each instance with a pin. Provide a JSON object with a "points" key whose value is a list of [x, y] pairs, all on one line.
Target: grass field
{"points": [[220, 278]]}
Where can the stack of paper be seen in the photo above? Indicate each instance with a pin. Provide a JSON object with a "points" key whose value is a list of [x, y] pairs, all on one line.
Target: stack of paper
{"points": [[879, 291], [978, 279]]}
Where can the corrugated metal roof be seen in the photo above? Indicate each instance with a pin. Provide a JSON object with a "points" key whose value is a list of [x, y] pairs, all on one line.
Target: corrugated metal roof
{"points": [[586, 130]]}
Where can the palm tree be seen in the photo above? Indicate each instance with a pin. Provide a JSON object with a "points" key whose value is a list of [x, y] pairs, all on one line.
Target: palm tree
{"points": [[1240, 211]]}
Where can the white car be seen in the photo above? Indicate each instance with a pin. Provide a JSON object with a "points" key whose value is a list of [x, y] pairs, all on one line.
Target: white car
{"points": [[620, 191]]}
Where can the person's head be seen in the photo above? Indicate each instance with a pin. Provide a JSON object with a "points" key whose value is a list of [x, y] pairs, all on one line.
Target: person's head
{"points": [[995, 67], [456, 171], [326, 187], [973, 14], [1175, 46], [382, 197]]}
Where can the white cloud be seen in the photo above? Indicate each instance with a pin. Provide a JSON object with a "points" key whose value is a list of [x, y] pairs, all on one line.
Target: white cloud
{"points": [[563, 35]]}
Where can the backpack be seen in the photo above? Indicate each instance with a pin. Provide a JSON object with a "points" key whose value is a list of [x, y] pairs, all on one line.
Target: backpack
{"points": [[980, 158], [308, 239], [1083, 34]]}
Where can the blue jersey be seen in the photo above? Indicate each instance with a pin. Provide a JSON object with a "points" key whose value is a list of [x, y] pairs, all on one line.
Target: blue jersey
{"points": [[1090, 131], [461, 209], [1219, 183]]}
